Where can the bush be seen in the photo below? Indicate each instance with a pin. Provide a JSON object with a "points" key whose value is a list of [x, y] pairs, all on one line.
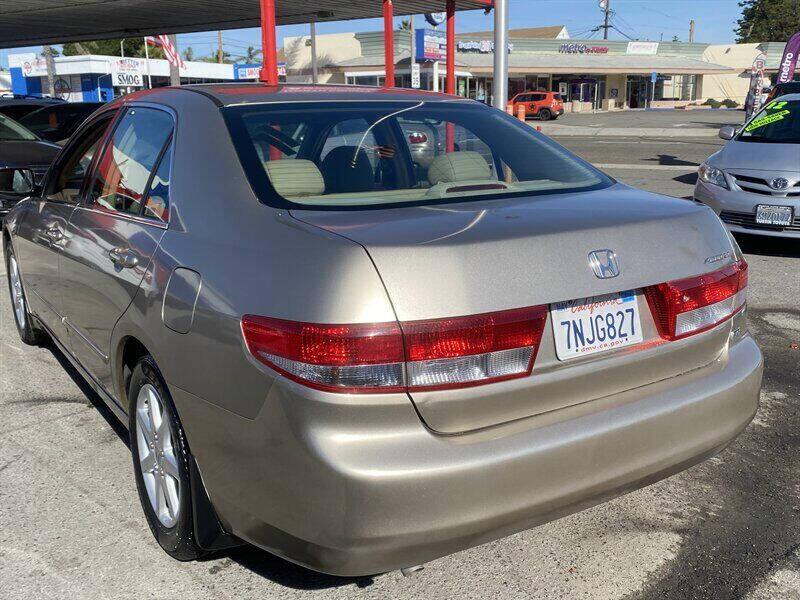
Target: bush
{"points": [[728, 103], [712, 103]]}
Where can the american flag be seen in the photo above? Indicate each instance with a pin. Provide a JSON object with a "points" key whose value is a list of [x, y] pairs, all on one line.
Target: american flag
{"points": [[170, 51]]}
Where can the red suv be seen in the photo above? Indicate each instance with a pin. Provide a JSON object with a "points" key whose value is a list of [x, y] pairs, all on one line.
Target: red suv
{"points": [[543, 105]]}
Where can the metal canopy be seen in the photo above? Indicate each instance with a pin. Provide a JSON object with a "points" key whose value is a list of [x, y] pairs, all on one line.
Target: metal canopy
{"points": [[34, 22]]}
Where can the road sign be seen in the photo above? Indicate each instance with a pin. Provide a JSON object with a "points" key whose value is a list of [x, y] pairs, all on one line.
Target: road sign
{"points": [[415, 76], [653, 77]]}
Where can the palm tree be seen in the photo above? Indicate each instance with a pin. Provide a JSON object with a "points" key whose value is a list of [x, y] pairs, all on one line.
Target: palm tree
{"points": [[188, 54], [251, 55]]}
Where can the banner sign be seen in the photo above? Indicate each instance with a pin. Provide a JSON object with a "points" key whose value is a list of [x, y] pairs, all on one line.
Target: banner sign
{"points": [[431, 44], [788, 62], [753, 103]]}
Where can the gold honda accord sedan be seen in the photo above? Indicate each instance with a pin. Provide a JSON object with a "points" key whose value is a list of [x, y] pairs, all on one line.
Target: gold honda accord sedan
{"points": [[359, 361]]}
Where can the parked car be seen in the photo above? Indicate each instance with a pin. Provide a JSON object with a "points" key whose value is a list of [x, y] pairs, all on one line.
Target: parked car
{"points": [[56, 122], [364, 373], [783, 89], [540, 105], [17, 106], [21, 149], [753, 182]]}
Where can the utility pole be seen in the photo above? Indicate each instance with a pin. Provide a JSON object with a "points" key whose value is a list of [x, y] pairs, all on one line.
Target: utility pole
{"points": [[500, 75], [691, 31], [606, 4], [314, 71], [47, 51], [122, 48], [220, 53], [174, 71]]}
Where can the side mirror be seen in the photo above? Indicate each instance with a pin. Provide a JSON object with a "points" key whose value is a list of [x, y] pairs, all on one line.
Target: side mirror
{"points": [[17, 182], [727, 132]]}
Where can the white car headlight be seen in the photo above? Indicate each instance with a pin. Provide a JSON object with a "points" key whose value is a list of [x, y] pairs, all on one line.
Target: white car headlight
{"points": [[712, 175]]}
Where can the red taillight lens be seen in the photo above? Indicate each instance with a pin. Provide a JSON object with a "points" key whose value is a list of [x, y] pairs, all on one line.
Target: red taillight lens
{"points": [[388, 357], [688, 306], [417, 137], [362, 357]]}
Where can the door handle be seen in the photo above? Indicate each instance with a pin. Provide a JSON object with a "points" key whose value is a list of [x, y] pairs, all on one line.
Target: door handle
{"points": [[54, 233], [123, 257]]}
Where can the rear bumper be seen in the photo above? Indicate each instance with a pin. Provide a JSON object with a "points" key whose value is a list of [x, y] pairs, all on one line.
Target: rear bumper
{"points": [[349, 487]]}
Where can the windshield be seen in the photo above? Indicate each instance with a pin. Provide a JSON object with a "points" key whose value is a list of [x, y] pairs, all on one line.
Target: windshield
{"points": [[365, 154], [778, 122], [11, 130]]}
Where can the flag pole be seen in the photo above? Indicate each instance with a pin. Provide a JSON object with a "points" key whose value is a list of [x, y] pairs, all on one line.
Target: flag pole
{"points": [[147, 62]]}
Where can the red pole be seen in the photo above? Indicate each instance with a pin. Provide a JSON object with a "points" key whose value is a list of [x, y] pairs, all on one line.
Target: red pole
{"points": [[450, 79], [269, 68], [450, 83], [388, 41]]}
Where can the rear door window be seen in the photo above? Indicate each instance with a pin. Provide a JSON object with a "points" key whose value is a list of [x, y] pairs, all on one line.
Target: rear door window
{"points": [[123, 171]]}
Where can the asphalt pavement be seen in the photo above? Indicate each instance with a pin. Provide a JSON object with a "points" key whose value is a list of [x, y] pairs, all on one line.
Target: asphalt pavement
{"points": [[71, 525]]}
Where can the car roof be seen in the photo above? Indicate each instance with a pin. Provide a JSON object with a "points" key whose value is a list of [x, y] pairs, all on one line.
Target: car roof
{"points": [[227, 94]]}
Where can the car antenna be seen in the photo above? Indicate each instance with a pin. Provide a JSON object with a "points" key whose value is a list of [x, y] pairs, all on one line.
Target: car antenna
{"points": [[383, 118]]}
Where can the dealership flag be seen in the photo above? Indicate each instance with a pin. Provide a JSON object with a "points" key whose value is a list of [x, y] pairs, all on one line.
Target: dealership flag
{"points": [[170, 51], [789, 60]]}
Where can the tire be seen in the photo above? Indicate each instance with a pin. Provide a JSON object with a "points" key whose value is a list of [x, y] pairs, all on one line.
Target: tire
{"points": [[162, 471], [545, 114], [28, 332]]}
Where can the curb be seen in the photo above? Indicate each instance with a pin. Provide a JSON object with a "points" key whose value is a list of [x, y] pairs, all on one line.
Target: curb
{"points": [[567, 130]]}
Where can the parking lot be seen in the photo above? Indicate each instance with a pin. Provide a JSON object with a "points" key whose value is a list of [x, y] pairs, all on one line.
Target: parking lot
{"points": [[71, 524]]}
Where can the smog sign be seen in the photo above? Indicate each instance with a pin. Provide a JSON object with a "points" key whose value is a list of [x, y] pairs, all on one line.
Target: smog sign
{"points": [[128, 72]]}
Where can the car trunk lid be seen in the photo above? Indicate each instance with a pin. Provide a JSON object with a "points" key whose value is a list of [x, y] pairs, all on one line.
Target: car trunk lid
{"points": [[484, 256]]}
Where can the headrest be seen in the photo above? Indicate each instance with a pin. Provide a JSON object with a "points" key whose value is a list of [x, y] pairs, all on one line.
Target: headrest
{"points": [[343, 175], [458, 166], [295, 177]]}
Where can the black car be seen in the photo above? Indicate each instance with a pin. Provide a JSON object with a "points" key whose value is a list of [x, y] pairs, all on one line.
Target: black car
{"points": [[56, 122], [21, 148], [16, 106]]}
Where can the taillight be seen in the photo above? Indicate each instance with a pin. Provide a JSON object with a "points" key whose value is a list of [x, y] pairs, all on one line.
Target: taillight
{"points": [[688, 306], [345, 358], [417, 137], [391, 357]]}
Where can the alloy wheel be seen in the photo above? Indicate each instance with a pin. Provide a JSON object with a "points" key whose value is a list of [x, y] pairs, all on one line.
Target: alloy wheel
{"points": [[157, 459], [17, 296]]}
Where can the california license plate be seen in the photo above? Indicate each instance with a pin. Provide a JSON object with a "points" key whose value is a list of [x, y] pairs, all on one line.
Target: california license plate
{"points": [[588, 325], [767, 214]]}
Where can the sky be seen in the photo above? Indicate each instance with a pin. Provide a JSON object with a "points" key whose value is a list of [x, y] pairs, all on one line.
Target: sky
{"points": [[639, 19]]}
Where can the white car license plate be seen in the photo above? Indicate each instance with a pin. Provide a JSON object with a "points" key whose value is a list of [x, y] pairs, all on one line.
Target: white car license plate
{"points": [[767, 214], [588, 325]]}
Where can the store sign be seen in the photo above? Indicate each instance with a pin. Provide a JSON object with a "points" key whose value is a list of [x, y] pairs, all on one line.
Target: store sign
{"points": [[642, 47], [128, 72], [480, 46], [62, 88], [415, 79], [582, 49], [254, 71], [431, 44], [31, 65]]}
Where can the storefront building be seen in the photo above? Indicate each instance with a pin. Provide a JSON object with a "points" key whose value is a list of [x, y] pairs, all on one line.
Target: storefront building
{"points": [[95, 78], [590, 74]]}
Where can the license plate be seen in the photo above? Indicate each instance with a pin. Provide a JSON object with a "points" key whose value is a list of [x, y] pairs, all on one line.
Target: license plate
{"points": [[589, 325], [767, 214]]}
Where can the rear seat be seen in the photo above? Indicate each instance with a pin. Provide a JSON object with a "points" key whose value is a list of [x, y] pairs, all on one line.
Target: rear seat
{"points": [[459, 166], [295, 177]]}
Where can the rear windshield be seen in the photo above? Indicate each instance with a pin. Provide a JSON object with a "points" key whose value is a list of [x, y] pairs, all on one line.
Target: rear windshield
{"points": [[778, 122], [367, 154]]}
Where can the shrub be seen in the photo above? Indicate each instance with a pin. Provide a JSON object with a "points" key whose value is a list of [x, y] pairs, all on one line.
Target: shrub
{"points": [[712, 103], [728, 103]]}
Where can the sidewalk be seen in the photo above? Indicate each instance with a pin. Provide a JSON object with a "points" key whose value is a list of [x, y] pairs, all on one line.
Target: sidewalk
{"points": [[556, 130]]}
